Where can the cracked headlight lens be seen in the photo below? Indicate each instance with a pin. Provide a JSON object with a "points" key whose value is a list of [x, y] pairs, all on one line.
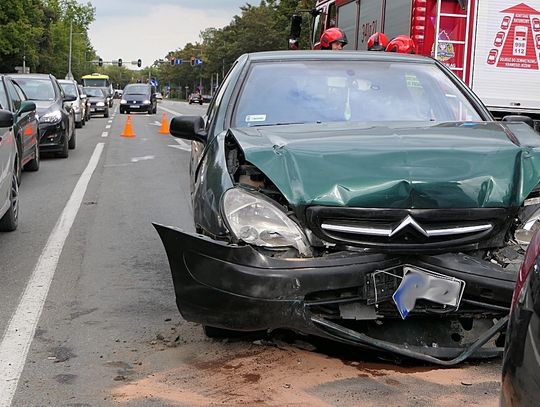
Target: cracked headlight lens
{"points": [[256, 220]]}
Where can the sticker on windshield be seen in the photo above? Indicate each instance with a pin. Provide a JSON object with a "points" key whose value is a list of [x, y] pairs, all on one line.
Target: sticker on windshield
{"points": [[250, 118]]}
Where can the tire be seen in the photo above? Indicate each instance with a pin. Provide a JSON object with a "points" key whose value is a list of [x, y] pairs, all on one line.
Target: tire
{"points": [[18, 164], [155, 109], [72, 142], [65, 149], [10, 220], [33, 165], [78, 125], [106, 114]]}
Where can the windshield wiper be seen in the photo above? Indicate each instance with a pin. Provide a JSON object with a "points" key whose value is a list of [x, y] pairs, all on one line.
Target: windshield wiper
{"points": [[277, 124]]}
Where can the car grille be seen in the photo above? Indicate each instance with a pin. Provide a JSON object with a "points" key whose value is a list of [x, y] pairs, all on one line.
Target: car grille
{"points": [[411, 229]]}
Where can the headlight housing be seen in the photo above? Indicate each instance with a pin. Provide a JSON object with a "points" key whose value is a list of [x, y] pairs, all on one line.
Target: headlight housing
{"points": [[100, 104], [256, 220], [51, 117], [123, 101], [146, 102]]}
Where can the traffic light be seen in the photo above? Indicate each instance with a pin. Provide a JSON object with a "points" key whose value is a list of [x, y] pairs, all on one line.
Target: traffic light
{"points": [[139, 63], [192, 61], [100, 62], [119, 61], [296, 29]]}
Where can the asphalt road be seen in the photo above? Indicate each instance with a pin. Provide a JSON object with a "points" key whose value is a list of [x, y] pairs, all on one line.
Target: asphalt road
{"points": [[109, 332]]}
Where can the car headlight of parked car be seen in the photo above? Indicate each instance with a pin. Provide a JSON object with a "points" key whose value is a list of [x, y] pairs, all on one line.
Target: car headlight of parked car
{"points": [[100, 104], [123, 101], [51, 117], [146, 102], [255, 220]]}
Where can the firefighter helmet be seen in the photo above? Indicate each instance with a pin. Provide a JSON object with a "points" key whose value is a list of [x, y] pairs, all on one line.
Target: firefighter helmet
{"points": [[402, 44], [377, 42], [331, 35]]}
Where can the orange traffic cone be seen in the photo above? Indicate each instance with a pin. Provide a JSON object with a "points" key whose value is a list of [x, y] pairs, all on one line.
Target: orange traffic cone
{"points": [[164, 125], [128, 128]]}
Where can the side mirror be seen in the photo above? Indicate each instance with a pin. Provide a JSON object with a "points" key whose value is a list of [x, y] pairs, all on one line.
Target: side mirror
{"points": [[27, 106], [519, 118], [70, 98], [6, 118], [188, 128]]}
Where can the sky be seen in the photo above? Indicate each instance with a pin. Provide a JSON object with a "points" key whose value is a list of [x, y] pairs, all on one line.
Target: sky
{"points": [[149, 29]]}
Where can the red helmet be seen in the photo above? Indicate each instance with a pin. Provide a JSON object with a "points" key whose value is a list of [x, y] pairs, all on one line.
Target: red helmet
{"points": [[377, 42], [332, 35], [402, 44]]}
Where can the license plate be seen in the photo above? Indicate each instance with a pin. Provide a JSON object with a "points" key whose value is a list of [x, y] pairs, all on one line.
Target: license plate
{"points": [[427, 285], [134, 106], [93, 109]]}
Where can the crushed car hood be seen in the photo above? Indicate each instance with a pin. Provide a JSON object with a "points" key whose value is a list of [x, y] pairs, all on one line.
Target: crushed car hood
{"points": [[458, 165]]}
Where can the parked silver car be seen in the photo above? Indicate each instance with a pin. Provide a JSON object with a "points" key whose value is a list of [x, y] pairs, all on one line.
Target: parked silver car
{"points": [[79, 104]]}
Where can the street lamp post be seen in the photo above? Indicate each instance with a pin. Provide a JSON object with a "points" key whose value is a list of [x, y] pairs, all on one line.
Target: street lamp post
{"points": [[69, 74]]}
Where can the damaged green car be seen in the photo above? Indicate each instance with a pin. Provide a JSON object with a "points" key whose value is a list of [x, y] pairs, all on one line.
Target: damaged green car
{"points": [[369, 198]]}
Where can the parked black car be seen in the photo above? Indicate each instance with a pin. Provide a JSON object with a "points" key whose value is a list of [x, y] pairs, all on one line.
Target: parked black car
{"points": [[56, 120], [138, 97], [364, 197], [98, 101], [25, 124], [521, 364], [9, 186]]}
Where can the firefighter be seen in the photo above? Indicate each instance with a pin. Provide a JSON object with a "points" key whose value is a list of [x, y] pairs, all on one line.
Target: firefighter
{"points": [[402, 44], [377, 42], [334, 39]]}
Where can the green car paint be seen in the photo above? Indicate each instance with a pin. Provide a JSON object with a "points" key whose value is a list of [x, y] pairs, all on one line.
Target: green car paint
{"points": [[445, 165]]}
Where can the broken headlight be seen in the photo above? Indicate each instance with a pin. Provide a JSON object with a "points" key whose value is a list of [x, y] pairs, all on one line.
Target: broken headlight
{"points": [[256, 220]]}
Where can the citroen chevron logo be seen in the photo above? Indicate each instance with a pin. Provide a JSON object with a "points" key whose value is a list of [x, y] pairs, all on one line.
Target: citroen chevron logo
{"points": [[408, 221]]}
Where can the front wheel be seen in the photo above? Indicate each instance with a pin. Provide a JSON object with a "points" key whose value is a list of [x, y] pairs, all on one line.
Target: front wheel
{"points": [[106, 114], [72, 142], [10, 220], [65, 148]]}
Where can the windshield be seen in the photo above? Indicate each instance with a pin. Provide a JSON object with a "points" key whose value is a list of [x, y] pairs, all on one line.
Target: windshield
{"points": [[96, 82], [364, 91], [136, 90], [69, 88], [37, 89], [95, 92]]}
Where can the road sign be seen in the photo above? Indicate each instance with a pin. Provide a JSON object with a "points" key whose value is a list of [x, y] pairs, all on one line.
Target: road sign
{"points": [[178, 61], [197, 62], [153, 82]]}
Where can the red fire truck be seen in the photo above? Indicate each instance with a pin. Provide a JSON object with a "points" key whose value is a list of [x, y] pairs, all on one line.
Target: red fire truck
{"points": [[494, 45]]}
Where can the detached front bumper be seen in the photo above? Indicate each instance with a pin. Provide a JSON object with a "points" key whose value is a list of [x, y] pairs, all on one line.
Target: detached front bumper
{"points": [[238, 288]]}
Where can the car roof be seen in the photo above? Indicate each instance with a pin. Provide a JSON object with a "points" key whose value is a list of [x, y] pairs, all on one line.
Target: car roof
{"points": [[67, 81], [31, 75], [337, 55]]}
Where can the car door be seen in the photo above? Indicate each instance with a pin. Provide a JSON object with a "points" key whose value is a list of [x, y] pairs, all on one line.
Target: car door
{"points": [[24, 127], [6, 151]]}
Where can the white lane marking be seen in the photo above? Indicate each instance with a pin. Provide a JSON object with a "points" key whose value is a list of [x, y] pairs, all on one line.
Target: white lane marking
{"points": [[105, 134], [156, 123], [145, 158], [171, 111], [183, 148], [108, 126], [110, 121], [183, 145], [22, 325]]}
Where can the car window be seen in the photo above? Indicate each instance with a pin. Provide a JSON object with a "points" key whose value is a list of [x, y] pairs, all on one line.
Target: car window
{"points": [[3, 97], [19, 90], [69, 88], [13, 95], [136, 90], [95, 92], [365, 91], [37, 89]]}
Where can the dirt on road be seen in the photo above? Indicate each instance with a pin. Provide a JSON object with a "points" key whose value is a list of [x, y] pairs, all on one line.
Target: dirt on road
{"points": [[203, 372]]}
